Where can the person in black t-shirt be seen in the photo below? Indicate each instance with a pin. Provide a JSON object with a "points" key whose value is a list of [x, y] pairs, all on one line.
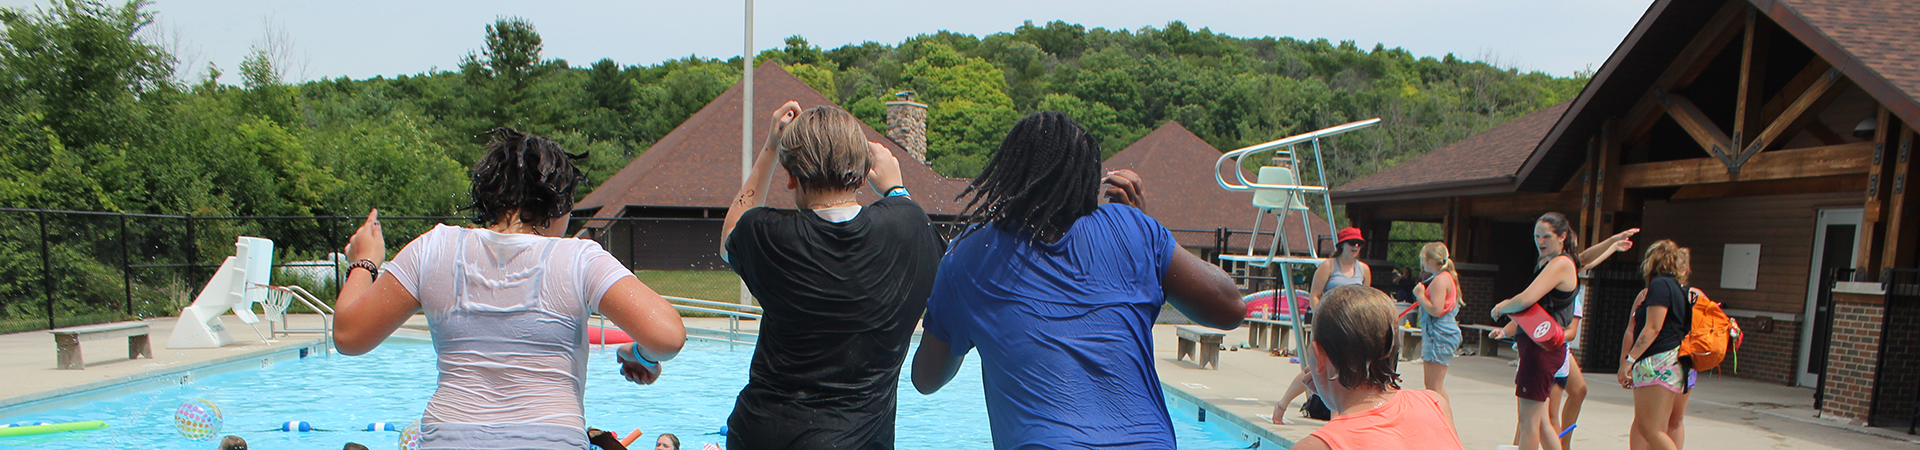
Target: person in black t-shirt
{"points": [[1653, 366], [843, 286]]}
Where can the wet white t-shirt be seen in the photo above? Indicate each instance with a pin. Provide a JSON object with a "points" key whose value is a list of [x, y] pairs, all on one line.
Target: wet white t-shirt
{"points": [[507, 314]]}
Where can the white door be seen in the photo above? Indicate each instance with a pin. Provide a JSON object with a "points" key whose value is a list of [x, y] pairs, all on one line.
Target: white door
{"points": [[1836, 237]]}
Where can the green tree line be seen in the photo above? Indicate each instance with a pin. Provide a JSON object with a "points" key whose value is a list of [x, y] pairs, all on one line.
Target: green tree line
{"points": [[95, 115]]}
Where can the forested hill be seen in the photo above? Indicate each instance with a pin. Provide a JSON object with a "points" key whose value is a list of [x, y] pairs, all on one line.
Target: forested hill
{"points": [[94, 117]]}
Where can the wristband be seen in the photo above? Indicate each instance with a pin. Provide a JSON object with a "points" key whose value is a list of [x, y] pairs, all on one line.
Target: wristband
{"points": [[640, 359], [372, 269], [898, 191]]}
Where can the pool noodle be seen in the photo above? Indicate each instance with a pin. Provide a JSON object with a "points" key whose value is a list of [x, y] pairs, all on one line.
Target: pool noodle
{"points": [[54, 428], [1569, 430]]}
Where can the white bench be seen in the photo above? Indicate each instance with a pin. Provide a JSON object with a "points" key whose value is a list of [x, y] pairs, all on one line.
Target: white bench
{"points": [[68, 341], [1274, 333], [1208, 341], [1410, 339], [1488, 346]]}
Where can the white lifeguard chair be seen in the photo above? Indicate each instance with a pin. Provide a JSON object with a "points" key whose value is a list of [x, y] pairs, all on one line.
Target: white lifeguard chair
{"points": [[1278, 190], [229, 290]]}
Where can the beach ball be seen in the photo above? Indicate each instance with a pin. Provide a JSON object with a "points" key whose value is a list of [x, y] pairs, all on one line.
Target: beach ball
{"points": [[410, 436], [197, 419]]}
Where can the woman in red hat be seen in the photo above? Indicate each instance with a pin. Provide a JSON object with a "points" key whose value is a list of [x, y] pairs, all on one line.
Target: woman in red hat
{"points": [[1341, 269]]}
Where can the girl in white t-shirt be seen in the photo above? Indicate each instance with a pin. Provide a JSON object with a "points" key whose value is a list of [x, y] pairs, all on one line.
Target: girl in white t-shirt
{"points": [[508, 303]]}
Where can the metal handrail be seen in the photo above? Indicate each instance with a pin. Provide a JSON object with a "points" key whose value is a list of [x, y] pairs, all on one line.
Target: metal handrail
{"points": [[1238, 155], [714, 303], [313, 303], [733, 317]]}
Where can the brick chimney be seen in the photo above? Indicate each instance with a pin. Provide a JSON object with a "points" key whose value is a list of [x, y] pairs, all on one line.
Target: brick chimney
{"points": [[907, 124]]}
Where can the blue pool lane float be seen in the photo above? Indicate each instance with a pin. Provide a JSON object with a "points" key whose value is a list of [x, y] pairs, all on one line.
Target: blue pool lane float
{"points": [[383, 426], [39, 428], [296, 425]]}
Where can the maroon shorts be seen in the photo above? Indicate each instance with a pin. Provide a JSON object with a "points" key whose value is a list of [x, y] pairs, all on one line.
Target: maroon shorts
{"points": [[1537, 366]]}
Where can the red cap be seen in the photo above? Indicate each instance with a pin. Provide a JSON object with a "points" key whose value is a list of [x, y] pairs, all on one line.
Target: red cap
{"points": [[1350, 234]]}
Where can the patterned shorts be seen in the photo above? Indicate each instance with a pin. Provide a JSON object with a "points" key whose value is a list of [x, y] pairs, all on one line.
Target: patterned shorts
{"points": [[1661, 369]]}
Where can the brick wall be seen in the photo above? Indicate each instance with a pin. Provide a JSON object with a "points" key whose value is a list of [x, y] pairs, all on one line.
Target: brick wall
{"points": [[1899, 372], [1770, 356], [1476, 290], [1852, 357]]}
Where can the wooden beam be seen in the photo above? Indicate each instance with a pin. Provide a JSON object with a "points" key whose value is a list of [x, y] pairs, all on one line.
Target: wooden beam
{"points": [[1816, 97], [1815, 69], [1830, 160], [1823, 132], [1687, 65], [1698, 125], [1838, 183], [1899, 245], [1867, 255], [1753, 70], [1587, 219], [1699, 53], [1522, 206]]}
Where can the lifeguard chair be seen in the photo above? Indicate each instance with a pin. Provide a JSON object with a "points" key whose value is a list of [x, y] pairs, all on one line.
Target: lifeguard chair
{"points": [[1279, 191]]}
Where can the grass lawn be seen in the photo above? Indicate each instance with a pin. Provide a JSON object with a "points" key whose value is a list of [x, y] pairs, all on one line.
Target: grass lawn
{"points": [[710, 285]]}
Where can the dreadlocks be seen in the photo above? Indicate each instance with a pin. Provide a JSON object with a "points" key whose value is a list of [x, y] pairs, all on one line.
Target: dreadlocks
{"points": [[1045, 176], [526, 175]]}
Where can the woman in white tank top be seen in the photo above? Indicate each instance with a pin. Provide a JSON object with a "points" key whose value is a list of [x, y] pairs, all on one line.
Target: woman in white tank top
{"points": [[508, 304]]}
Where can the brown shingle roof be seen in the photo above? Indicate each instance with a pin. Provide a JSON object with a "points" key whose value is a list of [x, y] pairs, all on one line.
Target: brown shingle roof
{"points": [[698, 164], [1875, 43], [1488, 159], [1176, 170]]}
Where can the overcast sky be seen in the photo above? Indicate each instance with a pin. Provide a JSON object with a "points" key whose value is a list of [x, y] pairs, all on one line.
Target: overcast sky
{"points": [[360, 39]]}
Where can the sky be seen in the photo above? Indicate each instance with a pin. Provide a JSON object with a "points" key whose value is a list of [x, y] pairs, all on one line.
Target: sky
{"points": [[361, 39]]}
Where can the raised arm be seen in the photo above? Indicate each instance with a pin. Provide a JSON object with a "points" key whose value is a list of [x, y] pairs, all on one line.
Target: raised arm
{"points": [[1601, 250], [753, 192], [1193, 286], [369, 310]]}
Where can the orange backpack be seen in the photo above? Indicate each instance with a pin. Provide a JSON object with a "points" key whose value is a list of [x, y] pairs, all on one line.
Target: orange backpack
{"points": [[1711, 335]]}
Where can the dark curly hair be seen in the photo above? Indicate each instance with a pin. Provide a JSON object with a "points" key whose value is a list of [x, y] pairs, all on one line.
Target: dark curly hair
{"points": [[1045, 176], [526, 175]]}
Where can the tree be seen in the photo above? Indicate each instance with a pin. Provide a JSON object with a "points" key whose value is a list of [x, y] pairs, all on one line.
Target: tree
{"points": [[506, 72]]}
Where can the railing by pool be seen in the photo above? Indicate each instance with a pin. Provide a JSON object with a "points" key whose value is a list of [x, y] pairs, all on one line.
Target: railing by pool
{"points": [[733, 311]]}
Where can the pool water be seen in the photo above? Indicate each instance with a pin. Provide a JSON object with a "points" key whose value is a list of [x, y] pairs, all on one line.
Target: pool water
{"points": [[342, 394]]}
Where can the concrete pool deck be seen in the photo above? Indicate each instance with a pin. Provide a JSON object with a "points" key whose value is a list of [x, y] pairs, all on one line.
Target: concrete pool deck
{"points": [[30, 374], [1724, 413]]}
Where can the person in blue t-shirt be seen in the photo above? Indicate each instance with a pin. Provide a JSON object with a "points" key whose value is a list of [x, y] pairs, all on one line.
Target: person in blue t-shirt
{"points": [[1059, 294]]}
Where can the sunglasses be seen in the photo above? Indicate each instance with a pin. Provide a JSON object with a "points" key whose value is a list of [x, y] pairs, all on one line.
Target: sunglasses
{"points": [[1356, 244]]}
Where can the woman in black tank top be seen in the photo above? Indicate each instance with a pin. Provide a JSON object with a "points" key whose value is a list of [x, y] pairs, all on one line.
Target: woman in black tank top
{"points": [[1554, 284]]}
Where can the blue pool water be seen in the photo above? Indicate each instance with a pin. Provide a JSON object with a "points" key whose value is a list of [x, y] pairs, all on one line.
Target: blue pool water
{"points": [[392, 384]]}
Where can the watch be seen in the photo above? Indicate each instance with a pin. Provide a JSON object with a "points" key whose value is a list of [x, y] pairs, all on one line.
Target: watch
{"points": [[372, 269]]}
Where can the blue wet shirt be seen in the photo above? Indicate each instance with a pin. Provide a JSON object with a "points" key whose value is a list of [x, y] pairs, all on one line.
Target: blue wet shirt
{"points": [[1064, 330]]}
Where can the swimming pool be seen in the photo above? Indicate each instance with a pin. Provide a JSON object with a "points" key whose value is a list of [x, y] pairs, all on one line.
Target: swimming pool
{"points": [[392, 384]]}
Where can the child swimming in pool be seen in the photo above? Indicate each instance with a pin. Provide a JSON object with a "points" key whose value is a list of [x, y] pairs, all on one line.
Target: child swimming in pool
{"points": [[507, 302]]}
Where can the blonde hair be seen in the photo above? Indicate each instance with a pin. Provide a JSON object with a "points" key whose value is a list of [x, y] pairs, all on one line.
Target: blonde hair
{"points": [[825, 148], [1437, 252], [1664, 257], [1354, 326]]}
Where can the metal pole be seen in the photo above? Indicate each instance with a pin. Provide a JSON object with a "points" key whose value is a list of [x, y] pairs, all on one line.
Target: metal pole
{"points": [[46, 269], [126, 265], [193, 256], [746, 122]]}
